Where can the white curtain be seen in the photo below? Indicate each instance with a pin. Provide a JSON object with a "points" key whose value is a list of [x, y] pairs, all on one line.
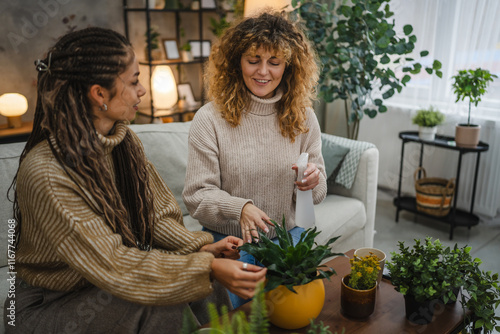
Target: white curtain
{"points": [[462, 34]]}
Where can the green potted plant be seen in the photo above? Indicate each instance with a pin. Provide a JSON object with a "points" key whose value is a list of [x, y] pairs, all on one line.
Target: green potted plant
{"points": [[481, 293], [152, 44], [428, 120], [423, 276], [186, 54], [360, 54], [358, 289], [294, 275], [470, 84], [436, 274]]}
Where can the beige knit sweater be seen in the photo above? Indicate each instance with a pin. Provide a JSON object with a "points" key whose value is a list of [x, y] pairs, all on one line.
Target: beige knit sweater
{"points": [[65, 245], [231, 166]]}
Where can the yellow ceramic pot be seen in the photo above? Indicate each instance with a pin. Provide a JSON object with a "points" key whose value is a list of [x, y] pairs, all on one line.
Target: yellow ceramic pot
{"points": [[290, 310]]}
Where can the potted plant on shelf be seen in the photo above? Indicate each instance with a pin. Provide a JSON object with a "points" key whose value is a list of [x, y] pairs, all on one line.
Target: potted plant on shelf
{"points": [[295, 291], [186, 54], [470, 84], [423, 276], [358, 289], [152, 44], [427, 121]]}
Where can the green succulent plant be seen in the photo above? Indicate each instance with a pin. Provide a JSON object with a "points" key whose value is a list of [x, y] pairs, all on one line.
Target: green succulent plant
{"points": [[291, 265], [428, 117]]}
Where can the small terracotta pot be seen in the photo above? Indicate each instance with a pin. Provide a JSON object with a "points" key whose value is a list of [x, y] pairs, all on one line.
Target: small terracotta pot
{"points": [[467, 136], [357, 303]]}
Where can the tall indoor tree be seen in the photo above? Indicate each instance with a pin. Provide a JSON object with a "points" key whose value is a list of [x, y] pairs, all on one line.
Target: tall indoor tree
{"points": [[360, 54]]}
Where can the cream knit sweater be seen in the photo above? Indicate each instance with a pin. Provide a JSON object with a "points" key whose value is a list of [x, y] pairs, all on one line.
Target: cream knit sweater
{"points": [[65, 245], [231, 166]]}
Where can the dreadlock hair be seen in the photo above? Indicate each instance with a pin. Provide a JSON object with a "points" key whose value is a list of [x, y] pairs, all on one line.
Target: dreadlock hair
{"points": [[63, 112], [272, 31]]}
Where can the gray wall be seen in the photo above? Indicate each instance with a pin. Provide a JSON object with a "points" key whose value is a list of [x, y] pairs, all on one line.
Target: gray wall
{"points": [[29, 27]]}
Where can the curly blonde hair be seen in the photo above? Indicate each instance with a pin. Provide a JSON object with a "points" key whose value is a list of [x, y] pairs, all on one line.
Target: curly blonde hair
{"points": [[273, 31]]}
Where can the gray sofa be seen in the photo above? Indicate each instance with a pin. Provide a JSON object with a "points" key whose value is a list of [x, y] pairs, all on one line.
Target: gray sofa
{"points": [[347, 212]]}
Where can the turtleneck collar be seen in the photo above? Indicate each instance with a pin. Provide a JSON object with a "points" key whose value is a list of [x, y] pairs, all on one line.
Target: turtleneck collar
{"points": [[112, 140], [264, 107], [108, 142]]}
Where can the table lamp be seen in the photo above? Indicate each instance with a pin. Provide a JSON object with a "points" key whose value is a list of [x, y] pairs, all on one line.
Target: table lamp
{"points": [[13, 106], [253, 6], [164, 88]]}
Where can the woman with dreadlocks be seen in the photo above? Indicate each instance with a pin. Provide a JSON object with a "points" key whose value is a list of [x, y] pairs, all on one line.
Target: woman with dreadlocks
{"points": [[261, 77], [101, 247]]}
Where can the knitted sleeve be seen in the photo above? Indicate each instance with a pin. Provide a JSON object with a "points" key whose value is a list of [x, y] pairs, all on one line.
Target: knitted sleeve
{"points": [[202, 193]]}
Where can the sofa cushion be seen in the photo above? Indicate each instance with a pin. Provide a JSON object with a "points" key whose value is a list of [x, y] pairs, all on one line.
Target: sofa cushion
{"points": [[338, 215], [166, 146], [9, 161]]}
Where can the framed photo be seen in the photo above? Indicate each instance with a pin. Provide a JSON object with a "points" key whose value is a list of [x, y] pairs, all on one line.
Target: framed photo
{"points": [[171, 49], [200, 49], [185, 90], [208, 4]]}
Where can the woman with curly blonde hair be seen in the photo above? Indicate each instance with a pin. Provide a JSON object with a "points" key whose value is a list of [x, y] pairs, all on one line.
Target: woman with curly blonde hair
{"points": [[261, 79]]}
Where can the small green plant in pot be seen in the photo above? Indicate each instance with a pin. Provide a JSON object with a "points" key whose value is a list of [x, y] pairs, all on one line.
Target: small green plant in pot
{"points": [[428, 120], [293, 271], [358, 290], [423, 276], [470, 84]]}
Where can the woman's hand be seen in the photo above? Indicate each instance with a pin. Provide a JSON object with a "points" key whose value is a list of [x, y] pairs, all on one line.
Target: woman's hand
{"points": [[236, 278], [310, 179], [225, 248], [252, 218]]}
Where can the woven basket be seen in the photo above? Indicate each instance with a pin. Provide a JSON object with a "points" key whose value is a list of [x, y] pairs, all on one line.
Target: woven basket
{"points": [[433, 194]]}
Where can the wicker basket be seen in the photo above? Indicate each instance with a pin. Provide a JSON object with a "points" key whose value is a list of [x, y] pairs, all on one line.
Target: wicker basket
{"points": [[433, 194]]}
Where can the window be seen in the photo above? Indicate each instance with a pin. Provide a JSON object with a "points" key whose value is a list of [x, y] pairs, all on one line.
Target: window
{"points": [[462, 34]]}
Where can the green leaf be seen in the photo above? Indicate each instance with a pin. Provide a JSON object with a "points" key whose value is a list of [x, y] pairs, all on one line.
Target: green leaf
{"points": [[428, 70], [407, 29], [405, 79], [385, 59], [383, 42], [382, 109], [424, 53], [413, 39], [439, 74], [436, 65]]}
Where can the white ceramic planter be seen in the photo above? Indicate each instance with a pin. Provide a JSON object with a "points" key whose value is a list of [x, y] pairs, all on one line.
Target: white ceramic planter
{"points": [[427, 133]]}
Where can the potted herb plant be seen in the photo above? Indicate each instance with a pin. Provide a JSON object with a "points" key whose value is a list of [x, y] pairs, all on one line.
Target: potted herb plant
{"points": [[427, 121], [294, 287], [470, 84], [358, 289], [186, 54], [422, 275]]}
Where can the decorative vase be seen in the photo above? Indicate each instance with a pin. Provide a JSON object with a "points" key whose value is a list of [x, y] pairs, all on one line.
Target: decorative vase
{"points": [[357, 303], [419, 313], [427, 133], [467, 135], [290, 310]]}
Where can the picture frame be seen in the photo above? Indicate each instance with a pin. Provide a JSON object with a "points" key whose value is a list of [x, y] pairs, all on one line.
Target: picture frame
{"points": [[185, 89], [171, 49], [200, 49], [208, 4]]}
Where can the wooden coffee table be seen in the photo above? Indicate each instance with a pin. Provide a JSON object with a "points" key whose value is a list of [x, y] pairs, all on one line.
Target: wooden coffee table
{"points": [[388, 317]]}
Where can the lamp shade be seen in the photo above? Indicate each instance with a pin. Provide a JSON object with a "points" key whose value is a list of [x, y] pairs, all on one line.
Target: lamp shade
{"points": [[253, 6], [13, 104], [164, 88]]}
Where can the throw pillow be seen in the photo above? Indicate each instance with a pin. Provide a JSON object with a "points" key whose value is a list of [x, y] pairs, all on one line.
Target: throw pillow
{"points": [[333, 154]]}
